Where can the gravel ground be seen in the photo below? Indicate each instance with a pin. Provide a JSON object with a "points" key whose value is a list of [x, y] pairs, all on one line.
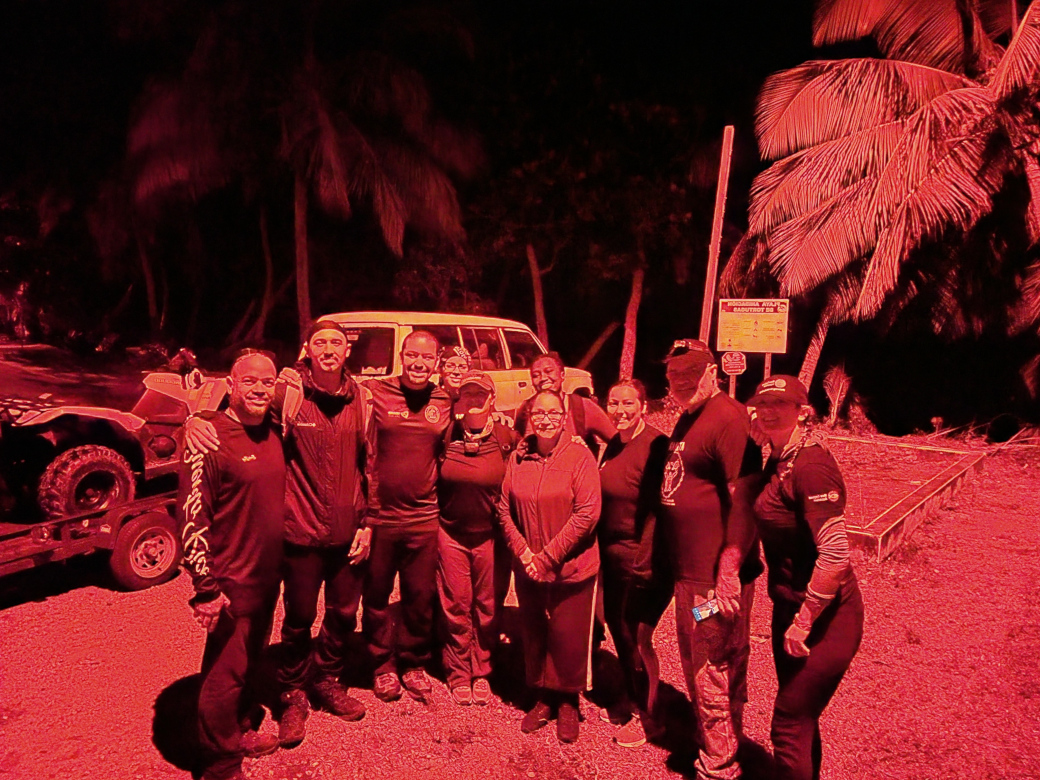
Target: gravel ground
{"points": [[93, 683]]}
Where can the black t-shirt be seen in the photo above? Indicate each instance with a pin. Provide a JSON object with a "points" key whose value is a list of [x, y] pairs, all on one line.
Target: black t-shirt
{"points": [[791, 511], [630, 476], [230, 510], [706, 452], [471, 482]]}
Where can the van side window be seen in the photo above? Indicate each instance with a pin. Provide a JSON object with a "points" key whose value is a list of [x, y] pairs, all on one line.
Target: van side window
{"points": [[523, 349], [484, 347], [371, 351]]}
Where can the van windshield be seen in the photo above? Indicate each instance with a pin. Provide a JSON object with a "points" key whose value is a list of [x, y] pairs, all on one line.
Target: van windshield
{"points": [[371, 351]]}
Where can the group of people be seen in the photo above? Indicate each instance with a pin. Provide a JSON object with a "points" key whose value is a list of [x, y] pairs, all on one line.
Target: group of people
{"points": [[308, 478]]}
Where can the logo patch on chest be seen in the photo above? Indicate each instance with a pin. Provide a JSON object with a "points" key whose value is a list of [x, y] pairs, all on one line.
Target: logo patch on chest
{"points": [[673, 478], [248, 458], [395, 413], [432, 414]]}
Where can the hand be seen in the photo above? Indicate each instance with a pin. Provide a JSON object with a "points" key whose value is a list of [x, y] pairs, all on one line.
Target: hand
{"points": [[200, 436], [208, 612], [727, 595], [526, 557], [758, 435], [291, 377], [794, 641], [361, 546], [543, 571]]}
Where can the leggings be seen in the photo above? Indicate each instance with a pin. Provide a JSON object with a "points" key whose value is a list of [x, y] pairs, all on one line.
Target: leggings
{"points": [[806, 685]]}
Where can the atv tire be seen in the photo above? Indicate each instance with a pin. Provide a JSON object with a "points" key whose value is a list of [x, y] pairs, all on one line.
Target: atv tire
{"points": [[85, 479], [147, 551]]}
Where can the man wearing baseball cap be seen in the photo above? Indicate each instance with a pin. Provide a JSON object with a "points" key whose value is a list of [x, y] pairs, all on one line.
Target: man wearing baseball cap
{"points": [[472, 468], [711, 538]]}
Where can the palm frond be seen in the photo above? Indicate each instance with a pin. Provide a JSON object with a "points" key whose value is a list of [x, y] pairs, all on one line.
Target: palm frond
{"points": [[746, 271], [842, 292], [1020, 65], [427, 192], [939, 177], [823, 100], [927, 33], [802, 181], [371, 179], [1026, 314]]}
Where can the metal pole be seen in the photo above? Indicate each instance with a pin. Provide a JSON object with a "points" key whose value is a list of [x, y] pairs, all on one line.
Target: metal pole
{"points": [[716, 234], [768, 372]]}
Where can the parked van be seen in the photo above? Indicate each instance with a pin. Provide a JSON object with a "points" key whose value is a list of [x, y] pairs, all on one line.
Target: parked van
{"points": [[505, 349]]}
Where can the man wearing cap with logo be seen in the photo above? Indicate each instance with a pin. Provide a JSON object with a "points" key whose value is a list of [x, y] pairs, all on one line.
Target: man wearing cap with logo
{"points": [[709, 530], [472, 468], [229, 512], [408, 422], [322, 414]]}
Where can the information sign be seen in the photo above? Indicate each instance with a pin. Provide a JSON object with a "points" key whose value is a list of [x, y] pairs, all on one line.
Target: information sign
{"points": [[734, 363], [753, 325]]}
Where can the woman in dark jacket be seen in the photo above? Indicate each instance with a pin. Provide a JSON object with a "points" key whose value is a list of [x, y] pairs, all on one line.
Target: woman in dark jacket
{"points": [[634, 593], [817, 608], [549, 508], [472, 469]]}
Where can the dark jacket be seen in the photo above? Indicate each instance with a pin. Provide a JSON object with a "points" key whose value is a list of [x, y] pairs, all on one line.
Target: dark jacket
{"points": [[325, 452], [552, 504]]}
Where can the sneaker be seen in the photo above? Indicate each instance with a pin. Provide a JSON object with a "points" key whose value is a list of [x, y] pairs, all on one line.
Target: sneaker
{"points": [[292, 726], [567, 722], [387, 687], [332, 697], [417, 683], [256, 743], [536, 717], [631, 735], [462, 694], [481, 691]]}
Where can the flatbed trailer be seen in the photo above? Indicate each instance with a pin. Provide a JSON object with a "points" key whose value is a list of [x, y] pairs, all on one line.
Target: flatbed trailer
{"points": [[141, 537]]}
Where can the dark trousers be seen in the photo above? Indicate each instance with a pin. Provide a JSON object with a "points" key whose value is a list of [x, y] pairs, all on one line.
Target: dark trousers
{"points": [[806, 685], [557, 632], [412, 554], [467, 600], [305, 570], [229, 665], [503, 571], [619, 590]]}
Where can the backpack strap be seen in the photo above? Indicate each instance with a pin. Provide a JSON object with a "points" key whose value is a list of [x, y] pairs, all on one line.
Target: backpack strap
{"points": [[577, 410]]}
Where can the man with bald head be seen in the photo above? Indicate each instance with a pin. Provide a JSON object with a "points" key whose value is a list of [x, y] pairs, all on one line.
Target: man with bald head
{"points": [[230, 515], [408, 421]]}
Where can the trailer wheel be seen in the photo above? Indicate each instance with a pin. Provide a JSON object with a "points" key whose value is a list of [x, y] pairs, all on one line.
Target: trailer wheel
{"points": [[85, 479], [146, 552]]}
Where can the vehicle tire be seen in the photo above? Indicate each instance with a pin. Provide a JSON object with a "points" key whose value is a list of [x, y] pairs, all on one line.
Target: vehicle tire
{"points": [[147, 551], [85, 479]]}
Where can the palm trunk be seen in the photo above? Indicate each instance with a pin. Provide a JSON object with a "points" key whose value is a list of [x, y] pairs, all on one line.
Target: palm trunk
{"points": [[149, 284], [539, 300], [812, 354], [303, 284], [256, 333], [597, 345], [628, 346]]}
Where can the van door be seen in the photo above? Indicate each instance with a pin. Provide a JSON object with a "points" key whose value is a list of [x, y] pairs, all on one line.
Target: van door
{"points": [[522, 350]]}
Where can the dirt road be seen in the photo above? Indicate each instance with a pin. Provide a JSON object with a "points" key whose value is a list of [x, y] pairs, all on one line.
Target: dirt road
{"points": [[94, 683]]}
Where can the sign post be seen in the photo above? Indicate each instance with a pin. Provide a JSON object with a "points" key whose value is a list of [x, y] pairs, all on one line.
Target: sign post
{"points": [[757, 325]]}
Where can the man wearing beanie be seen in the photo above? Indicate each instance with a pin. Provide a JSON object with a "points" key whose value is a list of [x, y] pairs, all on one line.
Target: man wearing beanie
{"points": [[710, 533], [322, 412]]}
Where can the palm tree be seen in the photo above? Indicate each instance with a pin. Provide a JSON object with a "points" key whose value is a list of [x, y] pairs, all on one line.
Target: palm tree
{"points": [[875, 158]]}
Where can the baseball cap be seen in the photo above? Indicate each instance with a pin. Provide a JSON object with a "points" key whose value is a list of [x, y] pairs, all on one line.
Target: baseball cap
{"points": [[689, 358], [787, 388], [478, 378]]}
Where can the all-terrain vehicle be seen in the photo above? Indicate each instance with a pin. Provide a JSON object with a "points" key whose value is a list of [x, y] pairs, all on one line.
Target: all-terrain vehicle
{"points": [[75, 467]]}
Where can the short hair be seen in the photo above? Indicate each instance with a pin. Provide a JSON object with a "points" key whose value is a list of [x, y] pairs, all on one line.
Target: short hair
{"points": [[635, 384], [422, 334], [553, 356], [248, 352], [548, 391]]}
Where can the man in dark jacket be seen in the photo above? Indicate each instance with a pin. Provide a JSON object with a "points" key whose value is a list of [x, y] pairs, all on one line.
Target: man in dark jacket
{"points": [[229, 512], [326, 540]]}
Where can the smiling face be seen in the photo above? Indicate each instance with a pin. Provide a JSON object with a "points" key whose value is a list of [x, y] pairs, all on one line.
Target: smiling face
{"points": [[624, 407], [419, 358], [251, 388], [452, 371], [546, 416], [328, 350], [778, 417], [546, 375], [687, 389]]}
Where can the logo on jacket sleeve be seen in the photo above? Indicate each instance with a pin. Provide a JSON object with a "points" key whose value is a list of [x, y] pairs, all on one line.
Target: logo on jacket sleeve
{"points": [[432, 414]]}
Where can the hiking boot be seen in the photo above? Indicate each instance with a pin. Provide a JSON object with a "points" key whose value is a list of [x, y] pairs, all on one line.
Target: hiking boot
{"points": [[631, 735], [256, 743], [387, 687], [417, 683], [462, 694], [481, 691], [332, 697], [567, 722], [536, 717], [292, 726]]}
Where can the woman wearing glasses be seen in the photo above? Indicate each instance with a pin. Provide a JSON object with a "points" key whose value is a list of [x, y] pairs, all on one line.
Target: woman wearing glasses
{"points": [[548, 510], [454, 363]]}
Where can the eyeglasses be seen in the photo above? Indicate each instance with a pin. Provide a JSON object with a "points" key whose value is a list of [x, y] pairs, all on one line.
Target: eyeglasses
{"points": [[553, 415], [453, 366]]}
